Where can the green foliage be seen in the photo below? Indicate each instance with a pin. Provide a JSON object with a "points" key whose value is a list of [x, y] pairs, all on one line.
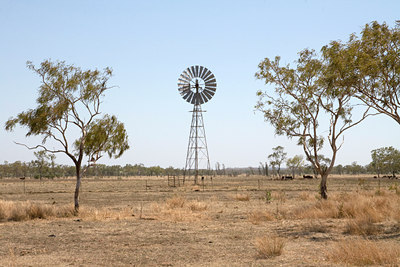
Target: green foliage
{"points": [[386, 160], [68, 106], [369, 66], [277, 157], [70, 98], [295, 164]]}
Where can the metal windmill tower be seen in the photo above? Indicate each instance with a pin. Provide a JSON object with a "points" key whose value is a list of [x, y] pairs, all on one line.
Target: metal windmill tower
{"points": [[197, 85]]}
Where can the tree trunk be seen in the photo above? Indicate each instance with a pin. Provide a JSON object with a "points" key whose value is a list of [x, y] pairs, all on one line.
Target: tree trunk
{"points": [[322, 186], [78, 184]]}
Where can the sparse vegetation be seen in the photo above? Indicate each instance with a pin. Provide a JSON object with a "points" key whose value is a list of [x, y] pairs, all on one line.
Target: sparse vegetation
{"points": [[130, 220], [363, 252], [22, 211], [269, 246]]}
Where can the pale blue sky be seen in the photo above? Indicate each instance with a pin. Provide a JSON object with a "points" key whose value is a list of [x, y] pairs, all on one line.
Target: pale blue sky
{"points": [[149, 43]]}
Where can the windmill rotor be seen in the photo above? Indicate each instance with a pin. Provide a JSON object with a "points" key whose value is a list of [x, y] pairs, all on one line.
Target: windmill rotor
{"points": [[197, 85]]}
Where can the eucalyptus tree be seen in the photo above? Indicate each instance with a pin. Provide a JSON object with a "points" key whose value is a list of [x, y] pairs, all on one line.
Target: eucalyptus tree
{"points": [[303, 105], [370, 65], [41, 161], [295, 164], [68, 113], [277, 157], [386, 160]]}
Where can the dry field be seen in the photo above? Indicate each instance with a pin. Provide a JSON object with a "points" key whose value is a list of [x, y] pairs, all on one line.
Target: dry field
{"points": [[230, 221]]}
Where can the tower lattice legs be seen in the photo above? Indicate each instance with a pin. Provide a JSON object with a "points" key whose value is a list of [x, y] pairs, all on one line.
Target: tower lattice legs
{"points": [[197, 160]]}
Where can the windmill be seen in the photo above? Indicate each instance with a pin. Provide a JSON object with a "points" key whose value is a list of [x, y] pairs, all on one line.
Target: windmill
{"points": [[197, 85]]}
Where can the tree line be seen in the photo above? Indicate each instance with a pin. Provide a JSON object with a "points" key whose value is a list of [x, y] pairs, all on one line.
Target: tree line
{"points": [[385, 161]]}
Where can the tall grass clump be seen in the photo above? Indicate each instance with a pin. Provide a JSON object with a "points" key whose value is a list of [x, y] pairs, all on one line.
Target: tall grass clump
{"points": [[22, 211], [269, 246], [361, 252], [242, 197], [178, 209], [358, 206], [258, 216]]}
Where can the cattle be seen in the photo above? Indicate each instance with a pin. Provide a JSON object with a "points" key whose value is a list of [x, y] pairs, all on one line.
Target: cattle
{"points": [[287, 177], [308, 177]]}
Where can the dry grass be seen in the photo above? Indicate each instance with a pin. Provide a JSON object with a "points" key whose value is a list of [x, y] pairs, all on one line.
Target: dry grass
{"points": [[363, 252], [315, 227], [279, 196], [185, 227], [358, 206], [175, 202], [362, 226], [22, 211], [103, 214], [178, 209], [258, 216], [269, 246], [242, 197]]}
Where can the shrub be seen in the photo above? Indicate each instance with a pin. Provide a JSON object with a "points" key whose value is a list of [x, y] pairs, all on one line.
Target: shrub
{"points": [[175, 202], [21, 211], [268, 246], [362, 226], [258, 216], [363, 252], [242, 197]]}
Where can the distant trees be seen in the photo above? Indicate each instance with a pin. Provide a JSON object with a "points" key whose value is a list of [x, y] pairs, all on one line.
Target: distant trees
{"points": [[295, 164], [68, 114], [277, 157], [385, 160]]}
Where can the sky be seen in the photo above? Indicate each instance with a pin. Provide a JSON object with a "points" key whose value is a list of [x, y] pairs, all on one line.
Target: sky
{"points": [[149, 43]]}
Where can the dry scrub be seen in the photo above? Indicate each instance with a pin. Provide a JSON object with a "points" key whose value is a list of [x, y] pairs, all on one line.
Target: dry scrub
{"points": [[357, 206], [178, 209], [363, 252], [269, 246], [258, 216], [242, 197], [22, 211]]}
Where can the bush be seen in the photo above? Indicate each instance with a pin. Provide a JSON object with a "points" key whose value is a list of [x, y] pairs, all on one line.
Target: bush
{"points": [[268, 247], [363, 252]]}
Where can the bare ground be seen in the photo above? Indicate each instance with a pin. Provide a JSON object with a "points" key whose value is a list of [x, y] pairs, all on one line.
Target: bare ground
{"points": [[123, 222]]}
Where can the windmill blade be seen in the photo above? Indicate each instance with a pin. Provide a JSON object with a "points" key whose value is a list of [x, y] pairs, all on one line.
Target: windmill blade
{"points": [[193, 99], [184, 89], [204, 98], [210, 92], [213, 80], [192, 69], [187, 74], [184, 78], [187, 95], [197, 71], [209, 78], [212, 85], [201, 71], [191, 75], [206, 75], [182, 82], [207, 94]]}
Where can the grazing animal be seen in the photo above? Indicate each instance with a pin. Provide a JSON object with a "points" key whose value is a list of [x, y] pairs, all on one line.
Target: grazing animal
{"points": [[308, 177], [287, 177]]}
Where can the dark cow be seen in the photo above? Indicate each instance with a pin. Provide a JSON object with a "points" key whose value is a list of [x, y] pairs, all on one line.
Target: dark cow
{"points": [[287, 177], [308, 177]]}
